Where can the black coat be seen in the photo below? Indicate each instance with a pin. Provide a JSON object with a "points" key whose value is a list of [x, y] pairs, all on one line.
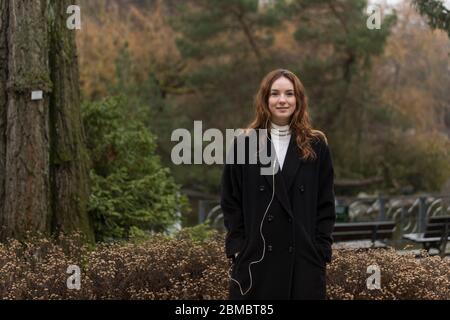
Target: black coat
{"points": [[297, 228]]}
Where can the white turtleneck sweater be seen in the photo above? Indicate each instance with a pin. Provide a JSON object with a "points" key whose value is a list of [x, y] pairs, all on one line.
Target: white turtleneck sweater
{"points": [[280, 143]]}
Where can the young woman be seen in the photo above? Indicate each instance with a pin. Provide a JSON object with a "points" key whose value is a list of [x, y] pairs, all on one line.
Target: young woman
{"points": [[279, 226]]}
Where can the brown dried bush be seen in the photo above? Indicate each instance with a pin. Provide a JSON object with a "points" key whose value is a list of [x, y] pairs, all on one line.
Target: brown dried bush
{"points": [[183, 268], [402, 276]]}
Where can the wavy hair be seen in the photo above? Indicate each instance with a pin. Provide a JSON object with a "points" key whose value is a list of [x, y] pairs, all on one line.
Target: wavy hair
{"points": [[300, 123]]}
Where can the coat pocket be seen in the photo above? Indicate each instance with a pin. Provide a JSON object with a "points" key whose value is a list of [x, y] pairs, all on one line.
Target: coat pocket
{"points": [[242, 251], [319, 253], [314, 251]]}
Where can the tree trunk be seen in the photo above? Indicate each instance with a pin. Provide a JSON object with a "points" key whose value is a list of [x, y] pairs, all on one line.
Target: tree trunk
{"points": [[43, 161], [3, 98], [26, 185], [69, 158]]}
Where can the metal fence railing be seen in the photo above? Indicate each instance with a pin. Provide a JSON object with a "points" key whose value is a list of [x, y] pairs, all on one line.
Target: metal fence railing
{"points": [[410, 213]]}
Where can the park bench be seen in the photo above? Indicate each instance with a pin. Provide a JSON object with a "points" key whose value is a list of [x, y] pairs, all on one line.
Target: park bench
{"points": [[435, 236], [373, 231]]}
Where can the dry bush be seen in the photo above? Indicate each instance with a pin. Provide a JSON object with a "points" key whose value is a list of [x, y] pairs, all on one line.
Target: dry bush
{"points": [[402, 276], [182, 268]]}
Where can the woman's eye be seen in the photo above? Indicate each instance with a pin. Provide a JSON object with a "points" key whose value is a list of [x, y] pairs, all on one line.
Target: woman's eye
{"points": [[287, 94]]}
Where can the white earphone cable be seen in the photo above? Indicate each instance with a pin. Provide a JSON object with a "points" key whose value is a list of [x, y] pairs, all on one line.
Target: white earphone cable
{"points": [[262, 236]]}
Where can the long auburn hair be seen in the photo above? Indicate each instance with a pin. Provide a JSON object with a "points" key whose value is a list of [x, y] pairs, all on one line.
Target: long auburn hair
{"points": [[300, 124]]}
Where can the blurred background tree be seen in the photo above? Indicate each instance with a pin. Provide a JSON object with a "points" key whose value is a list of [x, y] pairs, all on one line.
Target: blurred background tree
{"points": [[438, 15]]}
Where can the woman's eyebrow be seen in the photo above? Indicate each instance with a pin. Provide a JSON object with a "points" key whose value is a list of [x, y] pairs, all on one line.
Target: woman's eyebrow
{"points": [[279, 90]]}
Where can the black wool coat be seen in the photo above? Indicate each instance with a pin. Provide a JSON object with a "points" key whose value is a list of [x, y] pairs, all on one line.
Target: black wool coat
{"points": [[290, 262]]}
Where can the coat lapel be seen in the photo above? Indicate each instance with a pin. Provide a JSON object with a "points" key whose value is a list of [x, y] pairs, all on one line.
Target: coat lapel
{"points": [[285, 177]]}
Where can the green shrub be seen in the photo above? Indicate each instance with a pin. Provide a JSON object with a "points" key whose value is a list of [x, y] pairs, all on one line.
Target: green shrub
{"points": [[199, 233], [131, 189]]}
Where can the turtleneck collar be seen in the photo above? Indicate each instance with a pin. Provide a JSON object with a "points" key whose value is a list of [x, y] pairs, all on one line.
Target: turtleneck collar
{"points": [[280, 130]]}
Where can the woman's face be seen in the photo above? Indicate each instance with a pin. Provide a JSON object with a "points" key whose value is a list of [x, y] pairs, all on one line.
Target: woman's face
{"points": [[282, 101]]}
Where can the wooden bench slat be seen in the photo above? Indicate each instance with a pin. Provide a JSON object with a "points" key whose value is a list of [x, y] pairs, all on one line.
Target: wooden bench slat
{"points": [[372, 231], [377, 223], [419, 237], [444, 219]]}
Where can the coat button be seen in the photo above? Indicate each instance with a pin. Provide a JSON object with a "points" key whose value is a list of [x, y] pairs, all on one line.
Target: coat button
{"points": [[270, 217], [290, 220], [291, 249], [269, 248], [302, 188], [261, 188]]}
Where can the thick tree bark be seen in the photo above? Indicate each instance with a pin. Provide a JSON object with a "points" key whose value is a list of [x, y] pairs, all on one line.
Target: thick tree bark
{"points": [[43, 161], [69, 173], [26, 185], [3, 98]]}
